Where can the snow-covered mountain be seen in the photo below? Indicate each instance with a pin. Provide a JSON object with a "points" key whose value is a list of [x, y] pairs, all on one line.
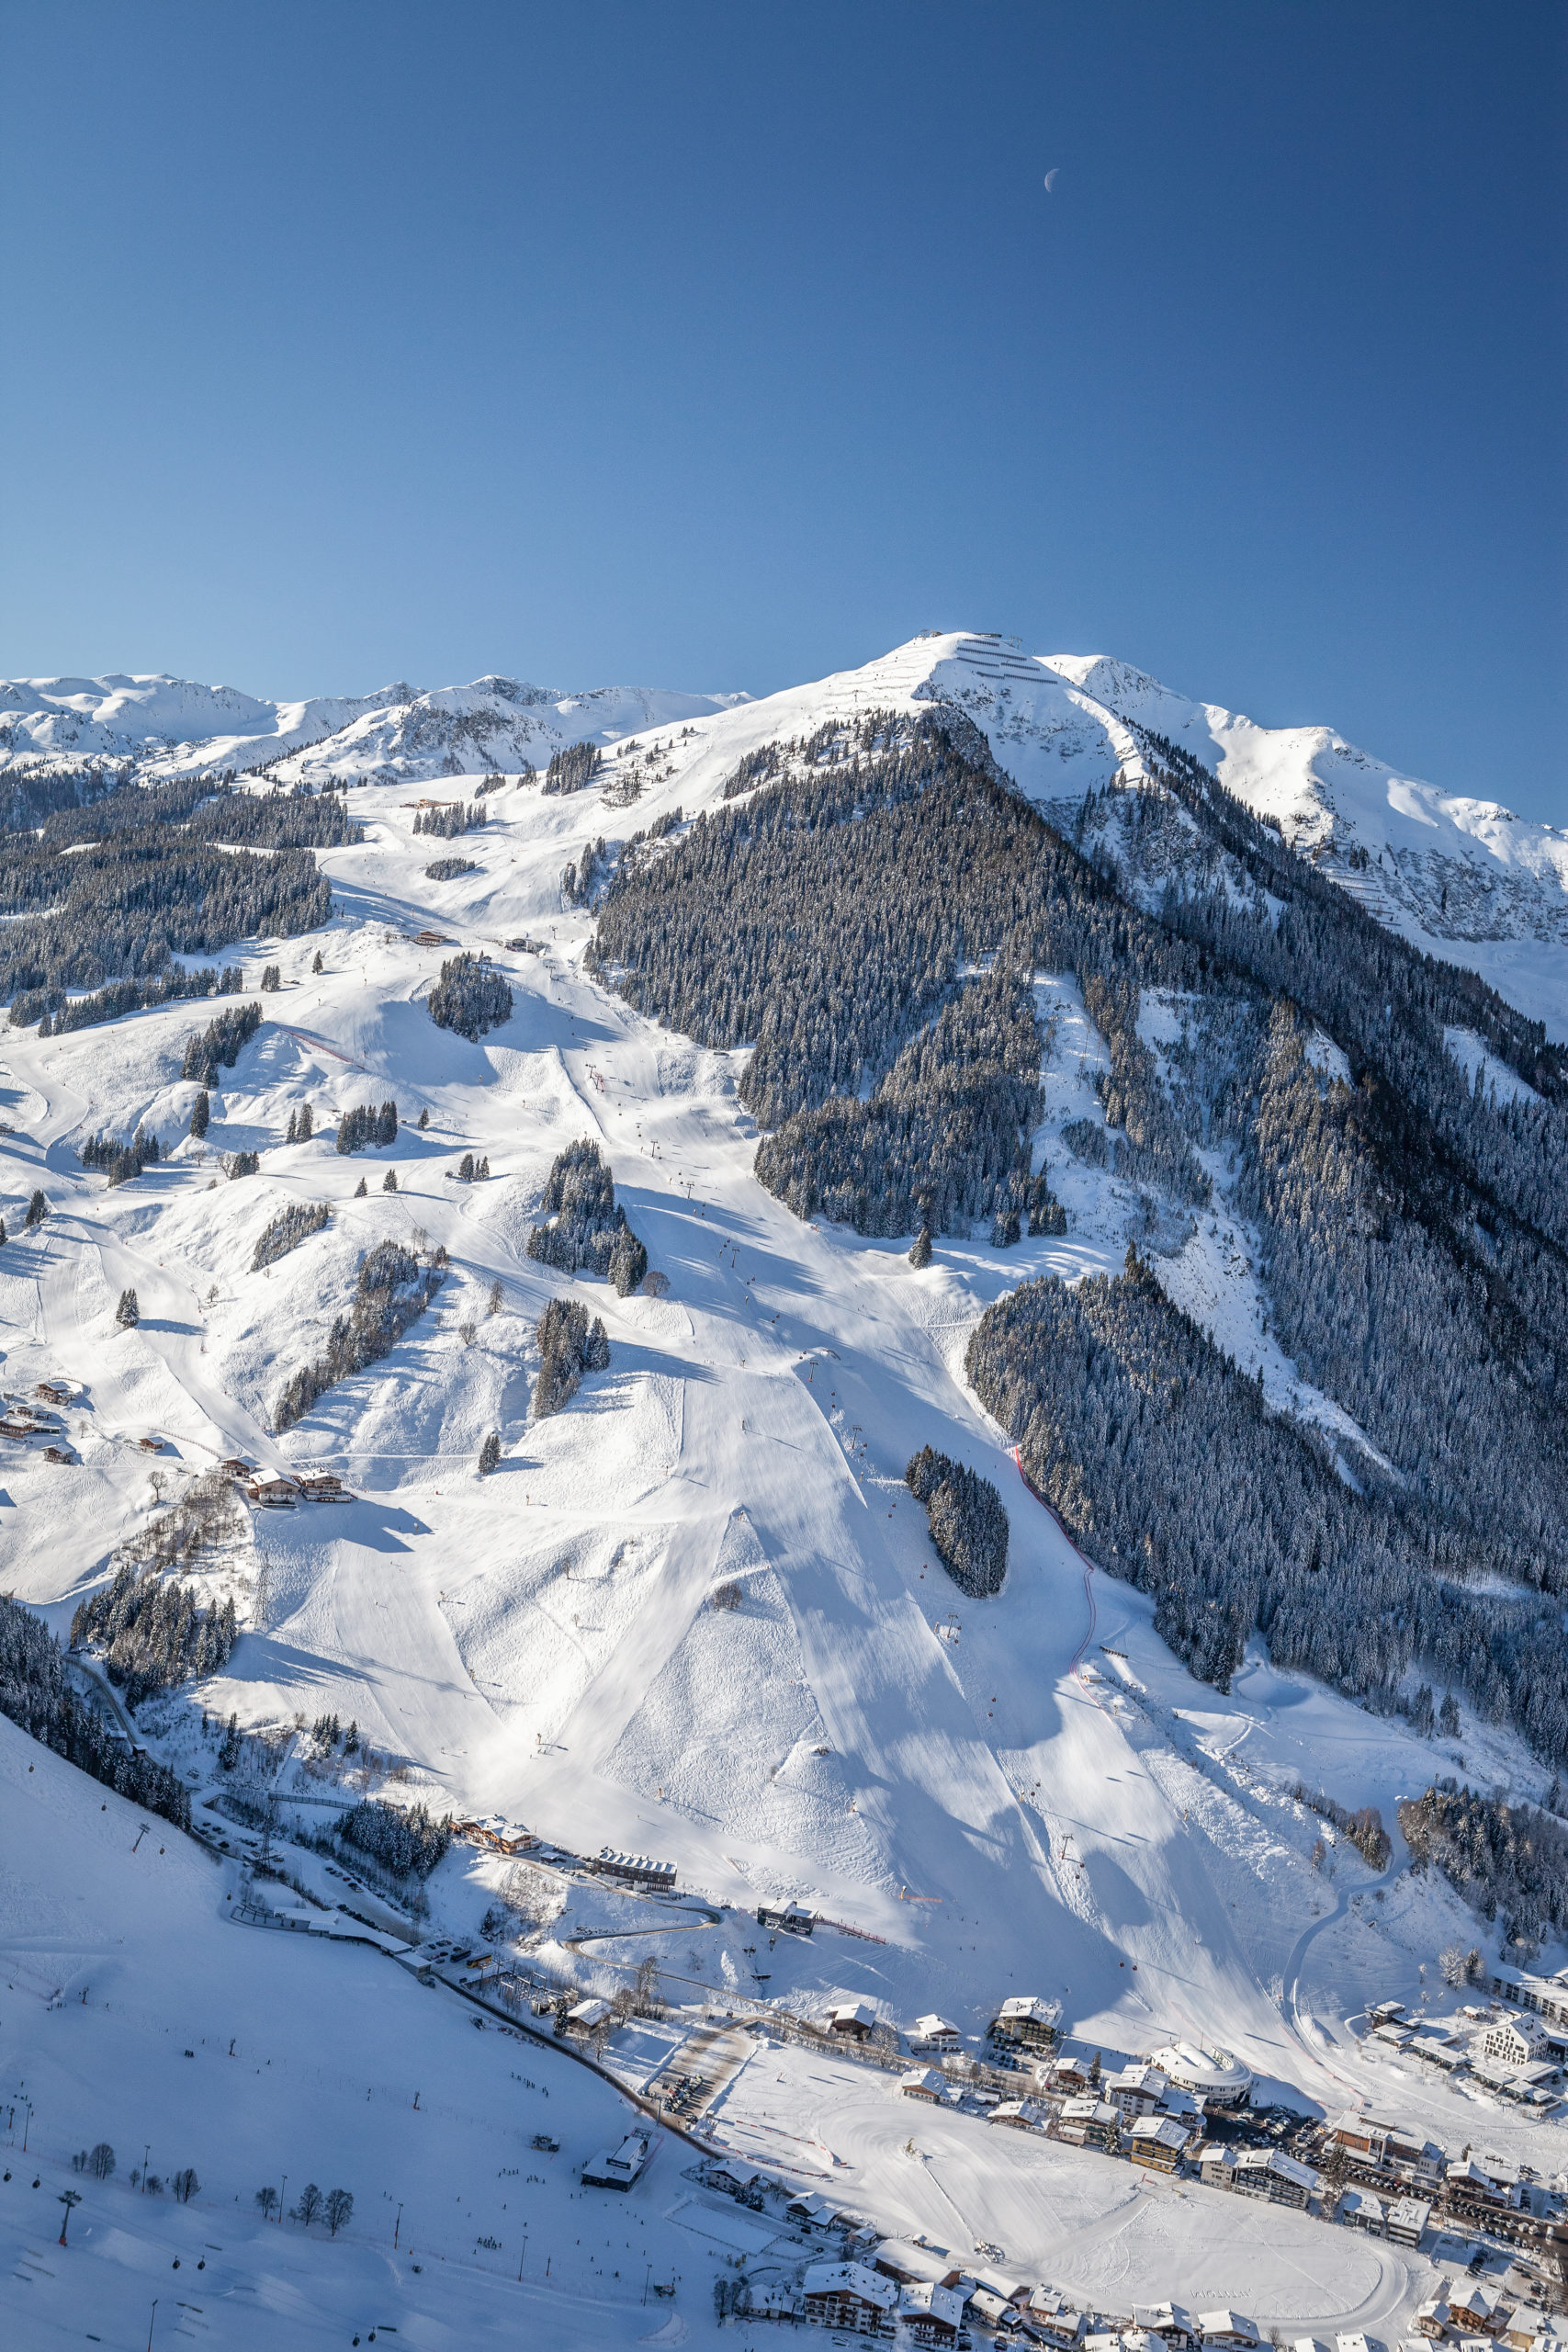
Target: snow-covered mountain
{"points": [[697, 1613], [1464, 879], [157, 727]]}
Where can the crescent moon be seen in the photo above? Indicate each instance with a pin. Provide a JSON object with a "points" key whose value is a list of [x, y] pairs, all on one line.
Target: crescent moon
{"points": [[1051, 176]]}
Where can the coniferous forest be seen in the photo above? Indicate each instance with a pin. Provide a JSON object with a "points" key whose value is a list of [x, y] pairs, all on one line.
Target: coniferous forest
{"points": [[866, 914]]}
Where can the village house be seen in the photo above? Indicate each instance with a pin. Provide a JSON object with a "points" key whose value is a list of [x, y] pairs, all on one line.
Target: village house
{"points": [[273, 1494], [792, 1919], [1278, 2179], [52, 1392], [1050, 2318], [1157, 2142], [1020, 2114], [1407, 2220], [854, 2019], [923, 2082], [848, 2295], [1478, 2308], [588, 2016], [1469, 2187], [631, 1870], [1089, 2123], [1361, 2210], [1432, 2318], [1138, 2089], [1067, 2076], [322, 1487], [932, 2032], [902, 2260], [932, 2314], [1515, 2040], [1227, 2332], [1173, 2321], [1024, 2019], [1216, 2164]]}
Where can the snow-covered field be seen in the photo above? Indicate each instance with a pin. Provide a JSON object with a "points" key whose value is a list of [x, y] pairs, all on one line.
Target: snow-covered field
{"points": [[1026, 1795]]}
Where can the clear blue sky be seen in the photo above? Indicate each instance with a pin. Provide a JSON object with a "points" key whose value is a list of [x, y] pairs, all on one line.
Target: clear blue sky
{"points": [[719, 346]]}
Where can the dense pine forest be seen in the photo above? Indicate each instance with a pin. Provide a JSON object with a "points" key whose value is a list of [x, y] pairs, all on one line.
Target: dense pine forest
{"points": [[867, 914], [116, 889]]}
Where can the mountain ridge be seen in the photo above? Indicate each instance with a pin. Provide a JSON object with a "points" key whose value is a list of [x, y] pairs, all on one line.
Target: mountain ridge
{"points": [[1459, 876]]}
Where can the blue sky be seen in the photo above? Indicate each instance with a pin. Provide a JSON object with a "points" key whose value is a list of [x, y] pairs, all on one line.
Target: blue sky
{"points": [[720, 347]]}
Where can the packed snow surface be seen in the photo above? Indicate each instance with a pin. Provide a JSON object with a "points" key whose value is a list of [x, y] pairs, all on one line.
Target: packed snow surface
{"points": [[1020, 1795]]}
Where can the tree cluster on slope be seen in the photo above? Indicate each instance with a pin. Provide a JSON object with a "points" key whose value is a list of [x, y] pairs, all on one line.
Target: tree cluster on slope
{"points": [[392, 1293], [470, 997], [403, 1838], [1166, 1468], [969, 1523], [1363, 1825], [447, 823], [447, 869], [568, 1346], [1502, 1858], [368, 1128], [571, 769], [122, 1161], [34, 1695], [221, 1043], [153, 1631], [585, 1229], [286, 1230]]}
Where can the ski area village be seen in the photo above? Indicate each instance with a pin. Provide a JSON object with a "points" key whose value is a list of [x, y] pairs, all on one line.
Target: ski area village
{"points": [[710, 1630]]}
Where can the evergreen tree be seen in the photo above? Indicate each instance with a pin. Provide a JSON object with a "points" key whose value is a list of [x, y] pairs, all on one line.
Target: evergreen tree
{"points": [[920, 1251], [127, 1314], [389, 1180], [38, 1209], [200, 1114], [490, 1453], [361, 1190]]}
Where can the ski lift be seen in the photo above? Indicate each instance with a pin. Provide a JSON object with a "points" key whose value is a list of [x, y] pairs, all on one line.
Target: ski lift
{"points": [[948, 1629]]}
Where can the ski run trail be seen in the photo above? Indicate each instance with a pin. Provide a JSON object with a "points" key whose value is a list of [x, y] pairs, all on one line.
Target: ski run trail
{"points": [[1020, 1795]]}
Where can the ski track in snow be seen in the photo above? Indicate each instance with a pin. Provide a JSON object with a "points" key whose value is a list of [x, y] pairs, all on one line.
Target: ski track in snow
{"points": [[1080, 1818]]}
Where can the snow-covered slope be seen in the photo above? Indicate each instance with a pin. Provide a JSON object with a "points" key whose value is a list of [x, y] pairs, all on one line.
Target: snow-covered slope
{"points": [[1463, 878], [1027, 1794], [154, 726]]}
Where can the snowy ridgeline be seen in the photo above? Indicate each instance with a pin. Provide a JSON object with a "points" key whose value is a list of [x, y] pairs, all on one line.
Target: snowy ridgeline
{"points": [[833, 1158]]}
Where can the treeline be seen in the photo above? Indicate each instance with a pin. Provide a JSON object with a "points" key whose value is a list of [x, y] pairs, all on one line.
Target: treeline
{"points": [[445, 824], [221, 1043], [568, 1346], [34, 1695], [58, 1015], [1501, 1858], [403, 1840], [584, 1229], [287, 1229], [153, 1631], [119, 889], [470, 997], [1166, 1468], [941, 1140], [391, 1296], [829, 918], [969, 1523]]}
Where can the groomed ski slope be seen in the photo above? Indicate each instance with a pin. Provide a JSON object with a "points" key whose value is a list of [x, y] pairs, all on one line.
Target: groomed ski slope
{"points": [[1026, 1795]]}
